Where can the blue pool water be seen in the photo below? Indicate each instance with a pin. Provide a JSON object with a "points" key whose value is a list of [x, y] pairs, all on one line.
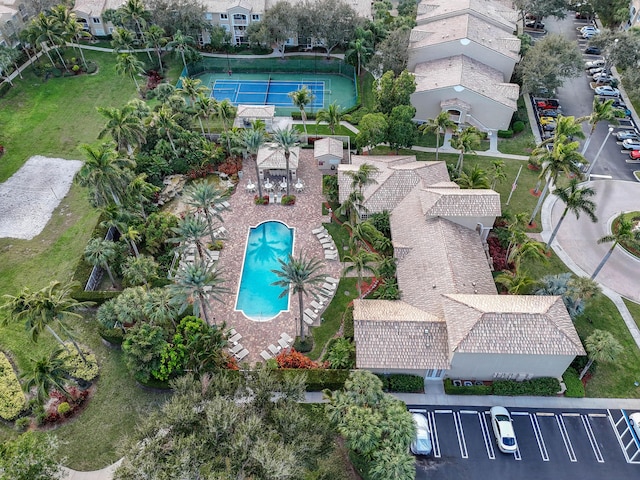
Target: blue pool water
{"points": [[257, 298]]}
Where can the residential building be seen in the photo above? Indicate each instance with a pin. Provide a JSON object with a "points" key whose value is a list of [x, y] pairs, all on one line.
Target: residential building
{"points": [[450, 320], [14, 15], [634, 15]]}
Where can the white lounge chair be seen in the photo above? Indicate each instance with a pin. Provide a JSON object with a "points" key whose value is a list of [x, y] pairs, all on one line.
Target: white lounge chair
{"points": [[235, 338], [329, 255], [283, 343], [236, 349], [335, 281], [286, 337], [243, 353], [266, 355], [311, 313], [308, 320], [316, 306], [273, 349], [316, 231], [329, 286]]}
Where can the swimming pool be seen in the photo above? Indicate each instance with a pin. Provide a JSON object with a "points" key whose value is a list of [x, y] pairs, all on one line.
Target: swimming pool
{"points": [[257, 298]]}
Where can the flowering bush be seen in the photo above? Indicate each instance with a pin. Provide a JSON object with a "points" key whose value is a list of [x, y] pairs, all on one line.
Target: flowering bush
{"points": [[291, 358], [498, 254], [264, 200], [288, 200], [153, 79], [200, 172], [231, 166], [56, 410]]}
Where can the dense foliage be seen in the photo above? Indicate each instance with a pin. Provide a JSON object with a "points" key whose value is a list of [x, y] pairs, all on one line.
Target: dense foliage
{"points": [[12, 400]]}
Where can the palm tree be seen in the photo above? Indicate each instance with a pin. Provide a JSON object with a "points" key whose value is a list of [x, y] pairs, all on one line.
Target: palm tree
{"points": [[253, 139], [194, 284], [49, 31], [515, 283], [528, 249], [75, 31], [190, 231], [122, 40], [52, 305], [301, 98], [476, 178], [140, 270], [192, 88], [352, 206], [602, 112], [205, 105], [134, 10], [156, 40], [361, 49], [466, 141], [131, 236], [576, 200], [360, 261], [104, 173], [438, 125], [164, 120], [497, 173], [129, 64], [226, 112], [160, 308], [203, 197], [333, 115], [301, 275], [100, 253], [44, 374], [601, 346], [139, 192], [285, 140], [31, 35], [181, 44], [583, 287], [125, 127], [624, 233], [363, 177]]}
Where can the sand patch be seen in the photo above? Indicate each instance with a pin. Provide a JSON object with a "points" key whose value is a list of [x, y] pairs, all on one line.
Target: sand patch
{"points": [[30, 196]]}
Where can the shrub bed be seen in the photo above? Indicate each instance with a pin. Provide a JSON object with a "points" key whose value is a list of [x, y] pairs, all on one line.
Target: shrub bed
{"points": [[318, 379], [575, 387], [12, 400], [451, 389], [538, 387], [402, 383]]}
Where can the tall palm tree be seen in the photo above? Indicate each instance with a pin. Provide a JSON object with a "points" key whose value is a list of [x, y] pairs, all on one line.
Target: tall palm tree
{"points": [[333, 115], [105, 174], [190, 231], [192, 88], [362, 50], [576, 200], [601, 346], [476, 178], [101, 253], [515, 283], [122, 40], [139, 192], [134, 10], [253, 139], [352, 206], [75, 31], [363, 177], [31, 35], [49, 32], [156, 39], [205, 106], [302, 275], [194, 284], [226, 112], [301, 98], [602, 112], [181, 44], [439, 126], [286, 139], [203, 197], [125, 127], [467, 141], [130, 237], [360, 261], [624, 233], [44, 374], [497, 173], [527, 249], [164, 120], [129, 64]]}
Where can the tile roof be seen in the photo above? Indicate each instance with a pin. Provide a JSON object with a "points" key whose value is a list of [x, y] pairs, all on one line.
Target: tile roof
{"points": [[94, 8], [270, 156], [465, 26], [455, 202], [500, 11], [328, 146], [395, 335], [462, 72], [222, 6], [510, 324], [256, 111]]}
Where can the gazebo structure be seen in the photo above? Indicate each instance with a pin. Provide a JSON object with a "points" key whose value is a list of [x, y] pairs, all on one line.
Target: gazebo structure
{"points": [[328, 152], [272, 163], [247, 114]]}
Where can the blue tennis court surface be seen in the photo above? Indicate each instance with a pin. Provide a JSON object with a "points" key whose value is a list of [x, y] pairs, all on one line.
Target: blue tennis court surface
{"points": [[266, 92]]}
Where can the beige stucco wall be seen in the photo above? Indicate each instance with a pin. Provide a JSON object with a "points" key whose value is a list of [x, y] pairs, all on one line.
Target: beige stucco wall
{"points": [[472, 222], [476, 366], [490, 114], [473, 50]]}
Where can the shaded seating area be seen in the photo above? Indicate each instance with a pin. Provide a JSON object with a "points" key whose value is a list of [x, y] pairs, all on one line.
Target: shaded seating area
{"points": [[272, 162]]}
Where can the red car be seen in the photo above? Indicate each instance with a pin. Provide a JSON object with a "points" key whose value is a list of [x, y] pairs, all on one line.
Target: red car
{"points": [[634, 154], [548, 104]]}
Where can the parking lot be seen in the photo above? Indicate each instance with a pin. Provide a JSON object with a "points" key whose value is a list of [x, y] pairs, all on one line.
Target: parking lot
{"points": [[583, 444]]}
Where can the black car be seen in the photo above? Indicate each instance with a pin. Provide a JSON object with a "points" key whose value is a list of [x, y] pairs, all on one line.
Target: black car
{"points": [[534, 24], [592, 50], [548, 113]]}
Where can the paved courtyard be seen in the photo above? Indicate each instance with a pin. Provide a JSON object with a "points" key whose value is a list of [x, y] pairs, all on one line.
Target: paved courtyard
{"points": [[304, 216]]}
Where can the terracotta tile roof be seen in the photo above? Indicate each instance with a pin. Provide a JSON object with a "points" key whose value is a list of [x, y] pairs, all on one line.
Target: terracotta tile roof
{"points": [[270, 156], [395, 335], [510, 324], [465, 26], [328, 146], [455, 202], [463, 72]]}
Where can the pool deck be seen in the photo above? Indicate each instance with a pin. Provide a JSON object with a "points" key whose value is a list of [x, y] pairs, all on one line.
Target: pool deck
{"points": [[304, 216]]}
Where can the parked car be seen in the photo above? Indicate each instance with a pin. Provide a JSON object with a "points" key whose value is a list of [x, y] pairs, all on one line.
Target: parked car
{"points": [[635, 155], [547, 120], [589, 28], [421, 444], [590, 34], [534, 24], [622, 112], [549, 113], [503, 430], [607, 91], [595, 70], [549, 127], [631, 144], [591, 50], [602, 77], [595, 63], [634, 421], [547, 103], [627, 134]]}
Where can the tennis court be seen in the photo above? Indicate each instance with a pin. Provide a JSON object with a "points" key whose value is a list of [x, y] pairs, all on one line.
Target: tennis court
{"points": [[266, 92]]}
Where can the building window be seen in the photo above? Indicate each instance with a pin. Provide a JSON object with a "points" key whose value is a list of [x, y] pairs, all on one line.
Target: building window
{"points": [[224, 16], [208, 16], [239, 16], [95, 19], [255, 17]]}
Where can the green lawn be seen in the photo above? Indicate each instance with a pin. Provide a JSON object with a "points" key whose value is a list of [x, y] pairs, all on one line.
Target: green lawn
{"points": [[634, 309], [313, 129]]}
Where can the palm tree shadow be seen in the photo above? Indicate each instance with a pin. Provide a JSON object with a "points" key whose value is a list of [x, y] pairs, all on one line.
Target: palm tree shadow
{"points": [[265, 249]]}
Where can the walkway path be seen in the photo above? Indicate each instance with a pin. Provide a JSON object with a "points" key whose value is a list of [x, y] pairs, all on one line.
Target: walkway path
{"points": [[103, 474]]}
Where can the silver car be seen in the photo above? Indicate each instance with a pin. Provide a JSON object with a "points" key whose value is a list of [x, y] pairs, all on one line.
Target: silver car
{"points": [[634, 422], [421, 444], [503, 430]]}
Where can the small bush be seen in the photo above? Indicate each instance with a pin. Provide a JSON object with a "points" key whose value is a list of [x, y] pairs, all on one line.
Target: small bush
{"points": [[12, 400], [288, 200], [347, 320], [319, 379], [450, 389], [305, 345], [505, 133], [403, 383], [264, 200], [22, 424], [575, 388], [115, 336], [64, 408], [293, 359], [76, 367], [518, 127]]}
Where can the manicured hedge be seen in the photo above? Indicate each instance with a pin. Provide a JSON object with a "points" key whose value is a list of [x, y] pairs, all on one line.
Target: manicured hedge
{"points": [[450, 389], [575, 387], [505, 133], [76, 367], [12, 400], [518, 126], [539, 387], [402, 383]]}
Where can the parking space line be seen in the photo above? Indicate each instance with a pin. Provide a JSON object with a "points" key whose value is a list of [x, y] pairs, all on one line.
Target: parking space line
{"points": [[566, 439], [486, 434], [434, 434], [473, 412], [460, 432], [443, 411], [614, 426], [519, 413], [592, 439], [597, 415], [517, 455], [541, 445], [418, 410]]}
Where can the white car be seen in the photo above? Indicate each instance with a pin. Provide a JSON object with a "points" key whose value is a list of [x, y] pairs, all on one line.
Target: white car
{"points": [[595, 64], [607, 91], [602, 77], [421, 444], [631, 144], [634, 421], [590, 33], [503, 430], [589, 28]]}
